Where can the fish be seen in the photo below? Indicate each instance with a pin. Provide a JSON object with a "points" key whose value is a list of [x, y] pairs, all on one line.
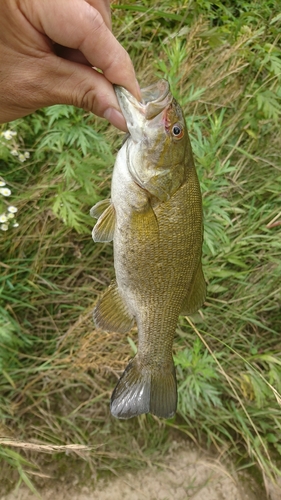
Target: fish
{"points": [[154, 217]]}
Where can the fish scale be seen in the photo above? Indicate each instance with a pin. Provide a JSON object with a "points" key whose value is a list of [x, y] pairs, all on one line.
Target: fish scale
{"points": [[154, 217]]}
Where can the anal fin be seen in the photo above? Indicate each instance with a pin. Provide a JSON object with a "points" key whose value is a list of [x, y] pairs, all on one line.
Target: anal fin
{"points": [[111, 312], [196, 294]]}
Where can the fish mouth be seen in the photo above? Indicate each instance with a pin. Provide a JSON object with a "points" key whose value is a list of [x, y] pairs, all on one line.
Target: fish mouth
{"points": [[155, 98]]}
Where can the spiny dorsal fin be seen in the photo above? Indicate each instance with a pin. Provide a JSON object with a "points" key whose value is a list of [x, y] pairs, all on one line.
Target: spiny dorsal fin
{"points": [[111, 313], [105, 226], [196, 295]]}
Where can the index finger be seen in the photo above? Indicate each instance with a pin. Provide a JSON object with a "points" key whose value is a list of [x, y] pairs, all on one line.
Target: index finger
{"points": [[78, 25], [103, 6]]}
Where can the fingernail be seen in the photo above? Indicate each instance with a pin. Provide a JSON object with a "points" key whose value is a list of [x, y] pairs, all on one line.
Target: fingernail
{"points": [[116, 118]]}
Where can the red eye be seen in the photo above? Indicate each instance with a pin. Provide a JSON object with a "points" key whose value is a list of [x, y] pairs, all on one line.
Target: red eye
{"points": [[177, 131]]}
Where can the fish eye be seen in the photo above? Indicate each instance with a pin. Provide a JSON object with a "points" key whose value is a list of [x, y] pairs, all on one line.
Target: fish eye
{"points": [[177, 131]]}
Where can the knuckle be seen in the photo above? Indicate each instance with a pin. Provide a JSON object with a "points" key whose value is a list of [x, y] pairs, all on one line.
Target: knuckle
{"points": [[119, 64], [96, 20], [88, 101], [94, 24]]}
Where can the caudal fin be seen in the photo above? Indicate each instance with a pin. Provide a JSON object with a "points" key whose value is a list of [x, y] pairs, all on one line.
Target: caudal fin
{"points": [[141, 390]]}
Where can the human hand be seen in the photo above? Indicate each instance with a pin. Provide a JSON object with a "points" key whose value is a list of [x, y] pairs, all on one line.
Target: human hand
{"points": [[47, 51]]}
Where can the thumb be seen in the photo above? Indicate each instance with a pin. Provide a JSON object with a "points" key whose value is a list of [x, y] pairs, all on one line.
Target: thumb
{"points": [[84, 87], [52, 80]]}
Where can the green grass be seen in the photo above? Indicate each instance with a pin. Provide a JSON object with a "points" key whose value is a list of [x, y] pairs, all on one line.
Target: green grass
{"points": [[57, 372]]}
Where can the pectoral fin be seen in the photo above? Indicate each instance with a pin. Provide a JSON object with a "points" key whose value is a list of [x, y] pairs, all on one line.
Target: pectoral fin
{"points": [[97, 210], [196, 294], [105, 226], [111, 313]]}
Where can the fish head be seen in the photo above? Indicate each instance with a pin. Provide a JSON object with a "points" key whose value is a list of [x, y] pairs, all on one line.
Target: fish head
{"points": [[158, 141]]}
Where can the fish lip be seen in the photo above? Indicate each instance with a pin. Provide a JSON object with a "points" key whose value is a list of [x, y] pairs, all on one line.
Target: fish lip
{"points": [[155, 98], [155, 92]]}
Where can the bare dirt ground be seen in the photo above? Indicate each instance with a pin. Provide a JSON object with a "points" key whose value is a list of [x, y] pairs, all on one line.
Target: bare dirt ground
{"points": [[185, 474]]}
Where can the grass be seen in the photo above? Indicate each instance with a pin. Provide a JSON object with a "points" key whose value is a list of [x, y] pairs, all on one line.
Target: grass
{"points": [[57, 372]]}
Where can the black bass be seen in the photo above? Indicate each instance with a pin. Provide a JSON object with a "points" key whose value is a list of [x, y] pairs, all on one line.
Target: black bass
{"points": [[154, 218]]}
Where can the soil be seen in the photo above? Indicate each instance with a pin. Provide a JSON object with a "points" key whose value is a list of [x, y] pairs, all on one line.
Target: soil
{"points": [[185, 474]]}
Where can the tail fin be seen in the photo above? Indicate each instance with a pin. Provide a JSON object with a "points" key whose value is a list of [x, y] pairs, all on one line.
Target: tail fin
{"points": [[141, 390]]}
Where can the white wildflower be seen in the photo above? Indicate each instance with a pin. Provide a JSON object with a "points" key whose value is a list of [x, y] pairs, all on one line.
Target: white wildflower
{"points": [[22, 158], [14, 152], [2, 183], [27, 154], [12, 209], [4, 227], [5, 191], [16, 224], [3, 218], [10, 216], [8, 134]]}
